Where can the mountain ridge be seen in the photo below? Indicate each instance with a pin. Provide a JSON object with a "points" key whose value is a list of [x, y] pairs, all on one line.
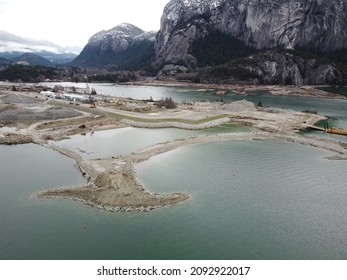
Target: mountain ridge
{"points": [[13, 46], [196, 35], [121, 47]]}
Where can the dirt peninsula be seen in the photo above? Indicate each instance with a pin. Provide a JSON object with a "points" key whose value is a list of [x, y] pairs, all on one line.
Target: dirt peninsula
{"points": [[112, 182]]}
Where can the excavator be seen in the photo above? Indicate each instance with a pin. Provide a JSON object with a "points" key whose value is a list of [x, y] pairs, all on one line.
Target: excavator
{"points": [[92, 105]]}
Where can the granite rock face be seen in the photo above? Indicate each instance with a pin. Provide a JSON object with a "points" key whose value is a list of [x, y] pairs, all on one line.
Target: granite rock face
{"points": [[319, 25], [280, 67]]}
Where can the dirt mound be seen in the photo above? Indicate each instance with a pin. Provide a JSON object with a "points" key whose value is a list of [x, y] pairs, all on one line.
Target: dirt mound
{"points": [[240, 106]]}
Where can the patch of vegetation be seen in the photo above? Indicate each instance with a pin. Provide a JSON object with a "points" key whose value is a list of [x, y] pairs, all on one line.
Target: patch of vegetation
{"points": [[217, 48], [342, 90], [121, 77], [17, 73], [167, 103], [225, 72], [310, 112], [138, 56], [240, 69], [338, 58]]}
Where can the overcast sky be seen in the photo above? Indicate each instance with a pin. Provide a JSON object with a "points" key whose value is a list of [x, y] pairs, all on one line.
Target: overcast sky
{"points": [[73, 22]]}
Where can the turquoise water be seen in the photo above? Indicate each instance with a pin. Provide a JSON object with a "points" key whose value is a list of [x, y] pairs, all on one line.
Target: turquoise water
{"points": [[249, 200]]}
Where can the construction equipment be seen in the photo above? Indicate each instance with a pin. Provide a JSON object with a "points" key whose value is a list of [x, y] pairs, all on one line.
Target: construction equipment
{"points": [[92, 105]]}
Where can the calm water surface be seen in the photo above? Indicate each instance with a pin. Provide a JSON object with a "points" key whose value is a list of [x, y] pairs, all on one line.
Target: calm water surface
{"points": [[256, 200], [249, 200], [124, 141]]}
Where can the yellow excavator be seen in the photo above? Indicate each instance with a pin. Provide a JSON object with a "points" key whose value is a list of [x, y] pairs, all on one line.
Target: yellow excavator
{"points": [[92, 105]]}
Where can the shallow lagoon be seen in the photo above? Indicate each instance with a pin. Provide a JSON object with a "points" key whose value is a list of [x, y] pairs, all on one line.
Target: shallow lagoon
{"points": [[124, 141]]}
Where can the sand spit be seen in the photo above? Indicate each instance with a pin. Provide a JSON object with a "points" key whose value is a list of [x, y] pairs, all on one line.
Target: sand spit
{"points": [[112, 183], [160, 148]]}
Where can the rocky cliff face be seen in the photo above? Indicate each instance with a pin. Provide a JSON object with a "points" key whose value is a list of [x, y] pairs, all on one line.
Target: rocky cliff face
{"points": [[275, 67], [287, 68], [319, 25], [119, 47]]}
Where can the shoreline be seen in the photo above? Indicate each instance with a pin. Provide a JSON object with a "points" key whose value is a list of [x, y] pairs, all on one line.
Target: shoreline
{"points": [[161, 201], [113, 184], [135, 200], [245, 90]]}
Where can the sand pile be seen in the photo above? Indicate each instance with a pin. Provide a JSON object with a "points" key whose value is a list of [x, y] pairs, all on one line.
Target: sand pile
{"points": [[240, 106]]}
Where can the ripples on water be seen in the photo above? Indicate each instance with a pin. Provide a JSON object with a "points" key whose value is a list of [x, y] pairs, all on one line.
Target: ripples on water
{"points": [[249, 200], [257, 200]]}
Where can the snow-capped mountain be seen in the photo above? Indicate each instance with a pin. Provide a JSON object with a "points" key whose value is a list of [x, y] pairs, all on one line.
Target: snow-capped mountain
{"points": [[13, 46], [120, 47], [120, 36]]}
